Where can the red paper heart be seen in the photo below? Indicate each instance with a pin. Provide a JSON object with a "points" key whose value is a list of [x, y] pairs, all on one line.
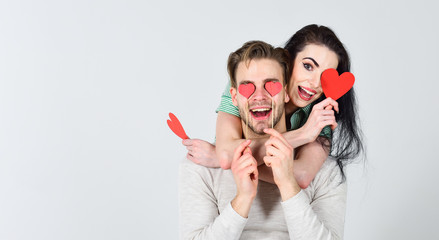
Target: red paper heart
{"points": [[176, 127], [246, 90], [273, 88], [335, 86]]}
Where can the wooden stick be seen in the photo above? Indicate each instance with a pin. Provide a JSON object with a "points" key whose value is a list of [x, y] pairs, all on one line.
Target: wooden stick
{"points": [[272, 116], [246, 120]]}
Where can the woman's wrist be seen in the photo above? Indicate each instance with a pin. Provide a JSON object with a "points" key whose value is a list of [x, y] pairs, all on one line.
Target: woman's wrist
{"points": [[297, 138]]}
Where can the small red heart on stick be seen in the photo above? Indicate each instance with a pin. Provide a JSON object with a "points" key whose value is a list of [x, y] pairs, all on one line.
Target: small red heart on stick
{"points": [[176, 127], [335, 86], [246, 90], [273, 88]]}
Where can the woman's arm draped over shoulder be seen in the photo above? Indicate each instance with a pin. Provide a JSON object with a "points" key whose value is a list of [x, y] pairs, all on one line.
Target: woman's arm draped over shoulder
{"points": [[309, 158], [228, 137]]}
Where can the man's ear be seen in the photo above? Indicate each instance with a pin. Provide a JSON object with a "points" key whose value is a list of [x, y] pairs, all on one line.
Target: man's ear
{"points": [[287, 97], [234, 93]]}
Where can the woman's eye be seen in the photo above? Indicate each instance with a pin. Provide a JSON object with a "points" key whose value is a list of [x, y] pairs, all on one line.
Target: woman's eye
{"points": [[307, 66]]}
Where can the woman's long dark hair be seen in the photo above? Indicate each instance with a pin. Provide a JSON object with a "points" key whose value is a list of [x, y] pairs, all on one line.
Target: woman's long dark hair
{"points": [[346, 142]]}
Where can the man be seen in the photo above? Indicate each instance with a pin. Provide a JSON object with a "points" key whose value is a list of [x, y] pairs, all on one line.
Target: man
{"points": [[233, 204]]}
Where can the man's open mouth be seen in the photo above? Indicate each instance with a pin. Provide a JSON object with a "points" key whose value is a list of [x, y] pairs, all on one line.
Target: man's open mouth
{"points": [[260, 113]]}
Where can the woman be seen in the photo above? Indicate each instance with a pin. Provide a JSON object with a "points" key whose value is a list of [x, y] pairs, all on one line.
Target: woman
{"points": [[313, 50]]}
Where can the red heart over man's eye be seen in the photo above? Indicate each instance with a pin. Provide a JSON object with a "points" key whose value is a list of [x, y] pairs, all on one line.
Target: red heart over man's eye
{"points": [[246, 90], [273, 88], [335, 86]]}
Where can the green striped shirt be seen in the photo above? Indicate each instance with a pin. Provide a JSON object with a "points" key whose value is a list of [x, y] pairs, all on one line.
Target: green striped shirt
{"points": [[297, 120]]}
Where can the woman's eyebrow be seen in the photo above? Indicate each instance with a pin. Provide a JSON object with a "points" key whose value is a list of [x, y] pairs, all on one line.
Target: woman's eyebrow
{"points": [[312, 59]]}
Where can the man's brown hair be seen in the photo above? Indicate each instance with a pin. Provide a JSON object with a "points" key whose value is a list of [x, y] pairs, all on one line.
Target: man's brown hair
{"points": [[258, 50]]}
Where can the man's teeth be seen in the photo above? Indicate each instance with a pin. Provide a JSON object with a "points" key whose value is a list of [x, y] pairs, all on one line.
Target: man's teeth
{"points": [[260, 110], [309, 93]]}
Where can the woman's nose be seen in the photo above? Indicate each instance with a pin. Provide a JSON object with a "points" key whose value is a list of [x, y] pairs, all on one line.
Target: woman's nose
{"points": [[315, 80]]}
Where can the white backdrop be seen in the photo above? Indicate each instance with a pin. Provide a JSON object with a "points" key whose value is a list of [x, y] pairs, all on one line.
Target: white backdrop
{"points": [[85, 88]]}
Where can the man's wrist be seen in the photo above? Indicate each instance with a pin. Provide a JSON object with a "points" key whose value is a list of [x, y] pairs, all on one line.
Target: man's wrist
{"points": [[241, 204], [289, 189]]}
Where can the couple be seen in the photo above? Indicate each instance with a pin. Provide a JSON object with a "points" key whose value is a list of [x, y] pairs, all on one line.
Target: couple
{"points": [[300, 199]]}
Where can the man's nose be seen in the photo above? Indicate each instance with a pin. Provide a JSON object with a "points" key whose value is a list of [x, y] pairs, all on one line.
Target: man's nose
{"points": [[260, 94]]}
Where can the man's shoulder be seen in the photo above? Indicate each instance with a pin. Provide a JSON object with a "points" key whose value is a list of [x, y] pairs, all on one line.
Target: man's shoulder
{"points": [[189, 166]]}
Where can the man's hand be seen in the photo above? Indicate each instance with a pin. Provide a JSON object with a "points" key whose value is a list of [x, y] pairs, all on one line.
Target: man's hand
{"points": [[201, 152], [280, 158], [245, 173]]}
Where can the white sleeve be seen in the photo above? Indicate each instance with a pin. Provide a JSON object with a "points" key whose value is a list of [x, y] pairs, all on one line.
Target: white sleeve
{"points": [[323, 218], [199, 213]]}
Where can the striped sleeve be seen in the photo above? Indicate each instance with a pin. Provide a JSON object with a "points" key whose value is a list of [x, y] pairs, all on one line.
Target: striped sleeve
{"points": [[226, 104]]}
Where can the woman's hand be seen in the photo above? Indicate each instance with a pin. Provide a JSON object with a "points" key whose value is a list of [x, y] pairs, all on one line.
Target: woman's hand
{"points": [[280, 158], [321, 116], [201, 152]]}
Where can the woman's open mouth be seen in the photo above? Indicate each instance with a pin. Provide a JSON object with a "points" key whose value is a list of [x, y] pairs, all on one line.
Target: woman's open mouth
{"points": [[306, 93]]}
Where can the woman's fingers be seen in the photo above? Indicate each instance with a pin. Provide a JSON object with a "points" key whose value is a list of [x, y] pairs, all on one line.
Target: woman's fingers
{"points": [[192, 158], [327, 102], [330, 122], [187, 142]]}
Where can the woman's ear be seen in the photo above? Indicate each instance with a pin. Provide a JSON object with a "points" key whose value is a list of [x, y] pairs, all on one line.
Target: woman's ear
{"points": [[287, 97]]}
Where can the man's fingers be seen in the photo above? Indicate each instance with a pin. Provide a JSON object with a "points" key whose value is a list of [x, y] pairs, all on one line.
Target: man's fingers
{"points": [[272, 132], [272, 151], [268, 160], [255, 175], [276, 135], [278, 142], [247, 150], [250, 169], [245, 161], [240, 149]]}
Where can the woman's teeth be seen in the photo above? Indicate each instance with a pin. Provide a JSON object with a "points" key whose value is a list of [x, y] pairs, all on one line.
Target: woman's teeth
{"points": [[308, 92]]}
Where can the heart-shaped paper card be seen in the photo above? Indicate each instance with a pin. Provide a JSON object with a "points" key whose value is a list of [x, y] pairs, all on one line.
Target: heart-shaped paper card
{"points": [[335, 86]]}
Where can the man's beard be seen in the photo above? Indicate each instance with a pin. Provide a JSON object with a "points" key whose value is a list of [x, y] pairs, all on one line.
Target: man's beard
{"points": [[251, 123]]}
